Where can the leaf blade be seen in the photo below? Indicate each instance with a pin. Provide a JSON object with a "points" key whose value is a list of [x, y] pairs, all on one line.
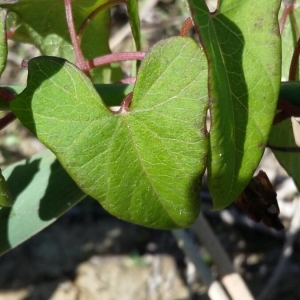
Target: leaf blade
{"points": [[241, 121], [39, 198], [105, 153]]}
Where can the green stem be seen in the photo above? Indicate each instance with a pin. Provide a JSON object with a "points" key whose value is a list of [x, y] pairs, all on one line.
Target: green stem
{"points": [[94, 13]]}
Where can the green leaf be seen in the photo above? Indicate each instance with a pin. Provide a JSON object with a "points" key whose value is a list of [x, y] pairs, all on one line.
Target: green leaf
{"points": [[49, 31], [290, 91], [145, 165], [133, 12], [282, 135], [5, 197], [42, 191], [242, 44]]}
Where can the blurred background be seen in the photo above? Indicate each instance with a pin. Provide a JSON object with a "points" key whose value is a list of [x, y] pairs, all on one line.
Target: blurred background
{"points": [[88, 254]]}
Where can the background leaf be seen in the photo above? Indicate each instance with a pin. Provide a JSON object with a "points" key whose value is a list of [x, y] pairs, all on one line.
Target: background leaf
{"points": [[282, 135], [44, 192], [48, 31], [144, 166], [242, 44]]}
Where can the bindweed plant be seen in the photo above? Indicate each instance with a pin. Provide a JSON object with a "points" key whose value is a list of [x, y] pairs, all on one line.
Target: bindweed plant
{"points": [[140, 145]]}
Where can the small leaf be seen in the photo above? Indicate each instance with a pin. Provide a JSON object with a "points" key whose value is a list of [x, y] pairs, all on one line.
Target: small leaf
{"points": [[242, 44], [144, 166]]}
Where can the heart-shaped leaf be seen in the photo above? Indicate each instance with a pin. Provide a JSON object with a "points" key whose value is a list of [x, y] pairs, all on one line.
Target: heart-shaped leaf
{"points": [[145, 165], [242, 43]]}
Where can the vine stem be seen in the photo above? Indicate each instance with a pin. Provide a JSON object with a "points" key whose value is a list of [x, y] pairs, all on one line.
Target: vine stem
{"points": [[287, 110], [94, 13], [6, 94], [285, 13], [115, 57], [128, 80], [8, 118], [80, 61], [186, 26], [124, 108]]}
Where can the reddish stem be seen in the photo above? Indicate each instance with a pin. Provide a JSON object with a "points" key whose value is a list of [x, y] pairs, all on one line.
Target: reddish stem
{"points": [[285, 13], [280, 116], [186, 26], [6, 94], [128, 80], [115, 57], [287, 110], [93, 14], [80, 61], [8, 118], [125, 104]]}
